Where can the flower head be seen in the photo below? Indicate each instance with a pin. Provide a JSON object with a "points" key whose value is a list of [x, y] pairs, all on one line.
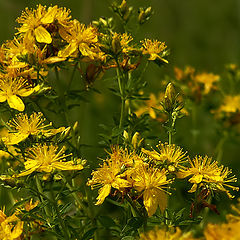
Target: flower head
{"points": [[155, 49], [22, 126], [208, 80], [38, 24], [206, 173], [46, 158], [160, 234], [11, 89], [80, 39], [151, 182], [167, 154], [110, 174], [9, 230]]}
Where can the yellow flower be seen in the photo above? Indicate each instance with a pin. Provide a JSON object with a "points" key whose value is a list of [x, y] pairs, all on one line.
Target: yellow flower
{"points": [[236, 216], [167, 154], [120, 42], [22, 126], [115, 172], [80, 39], [208, 80], [225, 231], [231, 104], [32, 21], [19, 49], [151, 182], [10, 89], [107, 176], [154, 48], [41, 22], [207, 173], [30, 205], [153, 102], [160, 234], [124, 157], [44, 158], [9, 230]]}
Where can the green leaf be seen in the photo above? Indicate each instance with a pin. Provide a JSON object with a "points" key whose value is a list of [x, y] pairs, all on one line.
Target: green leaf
{"points": [[128, 238], [89, 234], [106, 221], [135, 222]]}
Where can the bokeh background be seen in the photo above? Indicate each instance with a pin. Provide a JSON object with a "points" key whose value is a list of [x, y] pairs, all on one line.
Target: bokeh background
{"points": [[201, 33]]}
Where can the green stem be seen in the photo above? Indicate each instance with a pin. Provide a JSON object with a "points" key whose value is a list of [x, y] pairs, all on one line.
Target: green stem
{"points": [[40, 190], [73, 193], [72, 76], [219, 148], [63, 226]]}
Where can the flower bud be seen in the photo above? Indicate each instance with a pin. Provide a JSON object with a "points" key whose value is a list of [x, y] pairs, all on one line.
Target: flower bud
{"points": [[136, 140], [116, 45], [125, 134], [123, 7], [170, 97], [75, 126], [144, 15]]}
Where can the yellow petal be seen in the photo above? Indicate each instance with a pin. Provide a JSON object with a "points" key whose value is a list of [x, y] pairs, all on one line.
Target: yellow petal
{"points": [[27, 172], [17, 231], [68, 50], [16, 103], [193, 189], [4, 154], [3, 97], [25, 92], [162, 199], [67, 166], [52, 60], [42, 35], [150, 201], [103, 193], [64, 34], [196, 178], [120, 183], [14, 138], [50, 15]]}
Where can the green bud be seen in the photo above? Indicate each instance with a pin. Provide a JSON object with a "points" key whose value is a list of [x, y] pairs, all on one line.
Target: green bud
{"points": [[123, 7], [136, 140], [116, 45], [170, 97]]}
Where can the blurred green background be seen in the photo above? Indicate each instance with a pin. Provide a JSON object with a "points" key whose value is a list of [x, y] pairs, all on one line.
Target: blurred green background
{"points": [[201, 33]]}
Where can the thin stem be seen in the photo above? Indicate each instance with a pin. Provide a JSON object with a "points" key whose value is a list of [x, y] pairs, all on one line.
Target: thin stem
{"points": [[40, 190], [72, 76], [73, 193], [219, 148], [63, 226]]}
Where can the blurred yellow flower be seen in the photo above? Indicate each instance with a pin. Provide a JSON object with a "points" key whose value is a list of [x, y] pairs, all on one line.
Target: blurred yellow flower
{"points": [[225, 231], [231, 104], [208, 80], [46, 158], [160, 234]]}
